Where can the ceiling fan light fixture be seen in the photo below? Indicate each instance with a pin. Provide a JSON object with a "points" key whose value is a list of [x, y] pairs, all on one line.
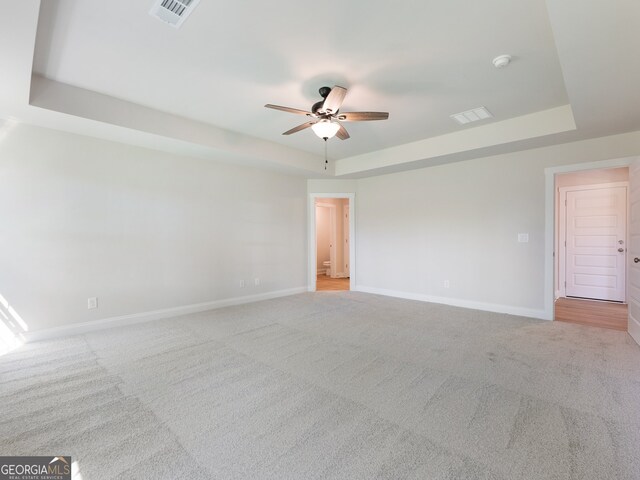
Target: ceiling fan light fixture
{"points": [[325, 128]]}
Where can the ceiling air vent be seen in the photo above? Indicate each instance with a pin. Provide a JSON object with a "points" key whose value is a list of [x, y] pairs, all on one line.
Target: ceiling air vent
{"points": [[472, 115], [173, 12]]}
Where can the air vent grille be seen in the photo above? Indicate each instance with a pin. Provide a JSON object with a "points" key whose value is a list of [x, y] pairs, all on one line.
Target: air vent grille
{"points": [[173, 12], [473, 115]]}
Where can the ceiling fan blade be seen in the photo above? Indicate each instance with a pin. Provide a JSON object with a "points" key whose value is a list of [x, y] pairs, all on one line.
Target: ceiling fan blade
{"points": [[362, 116], [288, 109], [298, 128], [334, 100], [342, 134]]}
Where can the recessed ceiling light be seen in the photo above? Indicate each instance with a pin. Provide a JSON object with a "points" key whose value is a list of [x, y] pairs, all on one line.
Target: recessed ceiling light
{"points": [[473, 115], [501, 61]]}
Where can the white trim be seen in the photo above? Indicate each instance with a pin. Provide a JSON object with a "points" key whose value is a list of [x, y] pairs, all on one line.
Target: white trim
{"points": [[457, 302], [311, 234], [633, 327], [561, 246], [549, 218], [79, 328], [346, 216]]}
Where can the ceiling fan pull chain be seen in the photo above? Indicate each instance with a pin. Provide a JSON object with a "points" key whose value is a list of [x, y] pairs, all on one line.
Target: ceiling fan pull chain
{"points": [[325, 154]]}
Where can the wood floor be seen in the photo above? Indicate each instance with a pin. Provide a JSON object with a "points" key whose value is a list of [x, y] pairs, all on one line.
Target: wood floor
{"points": [[592, 313], [324, 282]]}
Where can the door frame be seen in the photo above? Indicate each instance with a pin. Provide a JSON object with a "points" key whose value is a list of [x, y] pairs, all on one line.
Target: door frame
{"points": [[562, 231], [347, 238], [332, 237], [312, 251], [633, 322], [550, 219]]}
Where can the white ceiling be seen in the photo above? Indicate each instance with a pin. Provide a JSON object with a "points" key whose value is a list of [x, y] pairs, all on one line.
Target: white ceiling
{"points": [[111, 70]]}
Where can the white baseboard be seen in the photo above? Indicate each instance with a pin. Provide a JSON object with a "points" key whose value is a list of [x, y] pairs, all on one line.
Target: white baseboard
{"points": [[634, 330], [79, 328], [456, 302]]}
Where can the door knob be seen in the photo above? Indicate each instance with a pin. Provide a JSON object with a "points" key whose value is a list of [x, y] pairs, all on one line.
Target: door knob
{"points": [[621, 250], [636, 260]]}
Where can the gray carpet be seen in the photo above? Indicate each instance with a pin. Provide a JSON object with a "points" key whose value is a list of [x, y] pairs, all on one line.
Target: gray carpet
{"points": [[332, 385]]}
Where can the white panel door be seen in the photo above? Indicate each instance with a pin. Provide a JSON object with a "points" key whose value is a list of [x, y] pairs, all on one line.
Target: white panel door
{"points": [[634, 251], [596, 243]]}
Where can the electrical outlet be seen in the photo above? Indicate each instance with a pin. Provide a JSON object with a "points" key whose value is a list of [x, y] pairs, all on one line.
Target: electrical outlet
{"points": [[446, 284], [242, 284], [523, 238], [256, 281], [92, 303]]}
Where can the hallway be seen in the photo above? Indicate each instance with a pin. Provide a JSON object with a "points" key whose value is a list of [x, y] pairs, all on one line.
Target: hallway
{"points": [[593, 313], [324, 282]]}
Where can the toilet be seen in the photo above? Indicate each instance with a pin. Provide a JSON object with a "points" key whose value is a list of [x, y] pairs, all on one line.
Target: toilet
{"points": [[327, 265]]}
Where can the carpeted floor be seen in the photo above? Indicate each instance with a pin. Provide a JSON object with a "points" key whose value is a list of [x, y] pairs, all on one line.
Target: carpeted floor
{"points": [[331, 385]]}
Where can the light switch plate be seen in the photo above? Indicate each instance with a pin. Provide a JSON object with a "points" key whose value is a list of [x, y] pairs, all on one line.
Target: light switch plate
{"points": [[523, 237], [92, 302]]}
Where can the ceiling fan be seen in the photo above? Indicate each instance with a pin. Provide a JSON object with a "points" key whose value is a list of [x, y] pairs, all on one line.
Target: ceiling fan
{"points": [[327, 116]]}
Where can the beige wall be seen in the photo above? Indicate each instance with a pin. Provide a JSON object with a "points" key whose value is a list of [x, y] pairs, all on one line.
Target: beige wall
{"points": [[592, 177], [333, 185], [139, 229], [143, 230], [459, 222]]}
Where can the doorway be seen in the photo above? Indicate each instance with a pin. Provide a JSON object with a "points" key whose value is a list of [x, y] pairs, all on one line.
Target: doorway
{"points": [[331, 234], [591, 247]]}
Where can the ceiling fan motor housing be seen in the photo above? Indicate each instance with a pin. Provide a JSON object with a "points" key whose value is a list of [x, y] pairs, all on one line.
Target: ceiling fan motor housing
{"points": [[324, 93], [317, 106]]}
